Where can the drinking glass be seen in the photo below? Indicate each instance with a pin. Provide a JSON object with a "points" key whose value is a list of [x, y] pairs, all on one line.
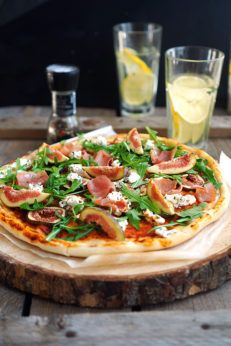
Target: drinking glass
{"points": [[192, 80], [137, 50]]}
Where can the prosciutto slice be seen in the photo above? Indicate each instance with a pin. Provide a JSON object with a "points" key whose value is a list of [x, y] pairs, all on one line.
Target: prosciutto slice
{"points": [[117, 207], [103, 158], [192, 181], [158, 156], [26, 178], [100, 186], [207, 193], [167, 186], [69, 147]]}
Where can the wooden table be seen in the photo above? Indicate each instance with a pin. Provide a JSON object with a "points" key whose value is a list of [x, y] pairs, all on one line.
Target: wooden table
{"points": [[204, 319]]}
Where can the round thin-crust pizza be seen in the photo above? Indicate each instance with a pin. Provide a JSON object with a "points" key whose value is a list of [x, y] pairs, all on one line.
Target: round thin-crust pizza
{"points": [[124, 193]]}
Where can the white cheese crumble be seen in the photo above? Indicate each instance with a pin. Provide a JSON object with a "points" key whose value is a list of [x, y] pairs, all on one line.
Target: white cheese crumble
{"points": [[179, 200], [118, 183], [133, 176], [76, 168], [36, 187], [115, 163], [99, 140], [76, 154], [71, 200], [164, 232], [123, 224], [23, 162], [74, 176], [149, 145], [151, 217], [2, 174], [115, 196]]}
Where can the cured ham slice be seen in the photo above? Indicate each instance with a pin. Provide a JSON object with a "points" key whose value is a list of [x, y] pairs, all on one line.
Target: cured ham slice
{"points": [[192, 181], [103, 158], [117, 207], [207, 193], [167, 186], [100, 186], [158, 156], [26, 178], [69, 147]]}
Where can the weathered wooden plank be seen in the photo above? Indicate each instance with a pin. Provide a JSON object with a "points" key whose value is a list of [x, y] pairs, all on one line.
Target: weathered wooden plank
{"points": [[31, 122], [12, 149], [11, 302], [148, 328]]}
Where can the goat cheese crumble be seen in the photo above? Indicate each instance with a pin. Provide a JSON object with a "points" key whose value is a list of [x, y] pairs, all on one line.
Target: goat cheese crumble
{"points": [[36, 187], [116, 163], [115, 196], [74, 176], [123, 224], [164, 232], [71, 200], [76, 168], [153, 218], [179, 200], [76, 154], [99, 140], [149, 145], [133, 177]]}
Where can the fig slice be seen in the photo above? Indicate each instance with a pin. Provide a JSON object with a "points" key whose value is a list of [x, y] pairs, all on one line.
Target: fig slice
{"points": [[108, 223], [175, 166], [14, 198], [47, 215], [134, 140], [113, 173], [53, 155], [155, 195]]}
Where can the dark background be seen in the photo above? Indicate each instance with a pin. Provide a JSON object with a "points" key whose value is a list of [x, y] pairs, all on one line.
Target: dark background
{"points": [[35, 33]]}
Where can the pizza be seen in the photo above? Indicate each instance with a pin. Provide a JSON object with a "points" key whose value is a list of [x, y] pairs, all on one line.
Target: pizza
{"points": [[120, 194]]}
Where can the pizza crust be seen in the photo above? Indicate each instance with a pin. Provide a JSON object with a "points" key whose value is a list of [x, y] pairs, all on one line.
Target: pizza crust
{"points": [[87, 247]]}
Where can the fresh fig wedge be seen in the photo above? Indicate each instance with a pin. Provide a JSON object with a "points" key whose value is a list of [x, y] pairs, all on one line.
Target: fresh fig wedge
{"points": [[156, 196], [113, 173], [105, 220], [56, 155], [175, 166], [47, 215], [134, 140], [14, 198]]}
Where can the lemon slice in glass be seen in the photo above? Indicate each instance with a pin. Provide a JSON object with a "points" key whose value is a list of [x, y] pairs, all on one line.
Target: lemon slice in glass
{"points": [[137, 88], [191, 105]]}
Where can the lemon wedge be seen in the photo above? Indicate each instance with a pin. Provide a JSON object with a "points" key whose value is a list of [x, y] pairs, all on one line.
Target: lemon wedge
{"points": [[137, 87], [191, 104]]}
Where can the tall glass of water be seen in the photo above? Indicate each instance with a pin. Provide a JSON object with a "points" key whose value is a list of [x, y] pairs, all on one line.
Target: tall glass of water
{"points": [[137, 50]]}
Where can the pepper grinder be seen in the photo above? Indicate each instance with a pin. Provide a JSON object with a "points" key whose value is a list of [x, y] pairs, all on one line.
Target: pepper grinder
{"points": [[63, 82]]}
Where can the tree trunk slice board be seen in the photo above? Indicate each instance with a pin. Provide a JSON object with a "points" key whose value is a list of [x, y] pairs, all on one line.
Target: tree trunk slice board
{"points": [[138, 328], [115, 287], [29, 122]]}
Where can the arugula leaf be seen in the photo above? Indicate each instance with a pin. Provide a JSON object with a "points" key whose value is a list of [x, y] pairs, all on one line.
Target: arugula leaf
{"points": [[180, 152], [201, 166], [176, 177], [31, 207], [144, 202], [187, 216], [159, 144], [134, 218], [93, 147], [9, 178], [193, 212]]}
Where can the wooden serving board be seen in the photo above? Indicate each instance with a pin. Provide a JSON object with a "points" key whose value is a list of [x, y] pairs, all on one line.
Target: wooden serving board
{"points": [[118, 286]]}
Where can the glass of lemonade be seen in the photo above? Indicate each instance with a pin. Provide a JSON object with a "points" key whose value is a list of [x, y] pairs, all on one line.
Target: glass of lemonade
{"points": [[137, 50], [192, 79]]}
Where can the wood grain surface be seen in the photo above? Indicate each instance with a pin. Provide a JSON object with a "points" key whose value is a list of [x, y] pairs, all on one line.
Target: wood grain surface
{"points": [[137, 328], [27, 122]]}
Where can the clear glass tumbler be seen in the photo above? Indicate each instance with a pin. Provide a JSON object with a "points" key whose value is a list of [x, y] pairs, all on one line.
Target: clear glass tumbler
{"points": [[137, 50], [192, 80]]}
